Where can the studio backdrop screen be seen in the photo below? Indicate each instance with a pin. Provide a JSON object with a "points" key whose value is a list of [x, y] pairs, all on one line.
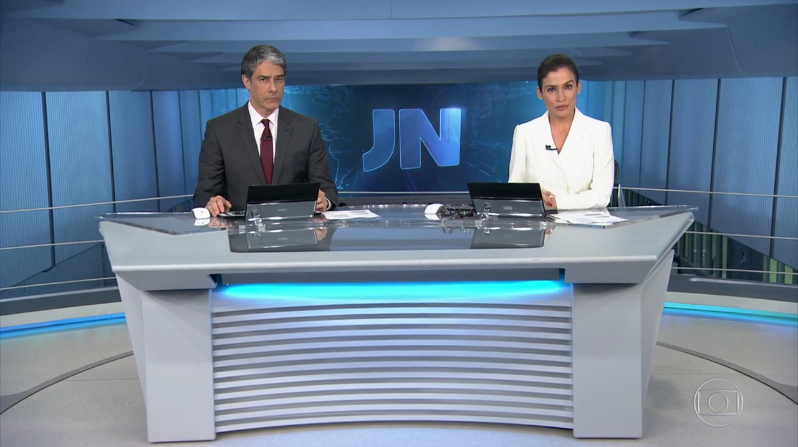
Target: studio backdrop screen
{"points": [[424, 137]]}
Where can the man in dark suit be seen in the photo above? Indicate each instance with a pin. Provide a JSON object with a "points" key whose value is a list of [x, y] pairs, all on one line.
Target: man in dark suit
{"points": [[261, 143]]}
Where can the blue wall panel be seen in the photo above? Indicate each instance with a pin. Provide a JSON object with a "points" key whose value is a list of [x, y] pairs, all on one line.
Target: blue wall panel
{"points": [[205, 108], [80, 161], [168, 147], [787, 209], [192, 130], [23, 185], [656, 138], [591, 100], [745, 159], [133, 150], [617, 119], [242, 96], [632, 133], [219, 103], [692, 142], [609, 94]]}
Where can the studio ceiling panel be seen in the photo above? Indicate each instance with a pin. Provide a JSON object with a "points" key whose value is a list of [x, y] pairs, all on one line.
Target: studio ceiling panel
{"points": [[186, 44]]}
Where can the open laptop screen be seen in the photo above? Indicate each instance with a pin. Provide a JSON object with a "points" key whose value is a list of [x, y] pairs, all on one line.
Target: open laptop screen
{"points": [[289, 192], [507, 199]]}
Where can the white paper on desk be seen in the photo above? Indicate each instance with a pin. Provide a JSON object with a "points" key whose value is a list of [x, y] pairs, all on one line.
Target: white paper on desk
{"points": [[591, 217], [353, 214]]}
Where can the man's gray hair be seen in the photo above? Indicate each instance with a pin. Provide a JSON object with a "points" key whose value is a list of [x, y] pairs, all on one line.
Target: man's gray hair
{"points": [[259, 54]]}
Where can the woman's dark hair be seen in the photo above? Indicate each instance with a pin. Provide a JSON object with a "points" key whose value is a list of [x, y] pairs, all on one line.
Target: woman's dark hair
{"points": [[554, 63]]}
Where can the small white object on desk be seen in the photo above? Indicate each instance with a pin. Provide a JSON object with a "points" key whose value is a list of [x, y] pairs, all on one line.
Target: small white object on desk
{"points": [[434, 208], [201, 213], [353, 214]]}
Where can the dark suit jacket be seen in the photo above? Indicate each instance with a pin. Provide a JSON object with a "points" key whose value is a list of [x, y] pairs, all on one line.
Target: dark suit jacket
{"points": [[230, 162]]}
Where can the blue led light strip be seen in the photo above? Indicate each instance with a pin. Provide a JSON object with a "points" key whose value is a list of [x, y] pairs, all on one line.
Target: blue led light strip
{"points": [[731, 313], [406, 291], [70, 323]]}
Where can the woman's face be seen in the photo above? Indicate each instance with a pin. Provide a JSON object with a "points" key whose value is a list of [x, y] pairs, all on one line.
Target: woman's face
{"points": [[559, 92]]}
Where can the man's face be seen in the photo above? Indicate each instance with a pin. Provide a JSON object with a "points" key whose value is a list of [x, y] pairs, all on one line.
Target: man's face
{"points": [[266, 87]]}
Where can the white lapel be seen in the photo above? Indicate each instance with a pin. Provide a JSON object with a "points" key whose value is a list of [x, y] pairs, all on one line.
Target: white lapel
{"points": [[549, 141], [574, 135]]}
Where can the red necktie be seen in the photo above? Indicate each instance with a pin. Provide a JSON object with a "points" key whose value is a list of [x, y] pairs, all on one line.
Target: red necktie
{"points": [[267, 152]]}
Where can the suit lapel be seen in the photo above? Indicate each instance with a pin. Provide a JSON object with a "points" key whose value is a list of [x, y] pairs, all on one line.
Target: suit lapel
{"points": [[284, 130], [552, 155], [574, 135], [248, 140]]}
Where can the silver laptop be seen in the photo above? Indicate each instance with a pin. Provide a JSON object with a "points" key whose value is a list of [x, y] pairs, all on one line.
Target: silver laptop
{"points": [[288, 201], [507, 199]]}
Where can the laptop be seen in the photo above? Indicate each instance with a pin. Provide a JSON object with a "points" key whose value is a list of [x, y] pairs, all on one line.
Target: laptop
{"points": [[508, 199], [274, 202]]}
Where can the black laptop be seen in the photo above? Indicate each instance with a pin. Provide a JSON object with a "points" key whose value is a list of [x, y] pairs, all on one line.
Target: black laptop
{"points": [[508, 199], [285, 201]]}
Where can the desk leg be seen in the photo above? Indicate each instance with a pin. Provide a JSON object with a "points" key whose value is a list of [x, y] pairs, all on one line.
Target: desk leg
{"points": [[614, 335], [171, 334]]}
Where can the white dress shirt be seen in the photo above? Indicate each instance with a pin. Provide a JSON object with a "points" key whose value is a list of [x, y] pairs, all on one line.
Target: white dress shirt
{"points": [[580, 176], [257, 126]]}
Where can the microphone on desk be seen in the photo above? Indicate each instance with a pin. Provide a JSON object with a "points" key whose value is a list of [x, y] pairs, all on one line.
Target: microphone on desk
{"points": [[549, 148]]}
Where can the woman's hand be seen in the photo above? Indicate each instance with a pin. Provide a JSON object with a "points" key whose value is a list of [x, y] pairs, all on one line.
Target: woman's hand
{"points": [[549, 201]]}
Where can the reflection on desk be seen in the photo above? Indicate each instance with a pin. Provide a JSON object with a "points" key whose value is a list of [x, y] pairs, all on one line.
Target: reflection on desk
{"points": [[510, 237], [460, 234]]}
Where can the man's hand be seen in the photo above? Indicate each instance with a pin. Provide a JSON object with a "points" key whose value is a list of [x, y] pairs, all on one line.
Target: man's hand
{"points": [[321, 233], [218, 205], [321, 202], [549, 201], [217, 222]]}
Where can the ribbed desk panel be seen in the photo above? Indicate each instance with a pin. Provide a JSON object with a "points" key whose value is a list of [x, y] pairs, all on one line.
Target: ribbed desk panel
{"points": [[496, 362]]}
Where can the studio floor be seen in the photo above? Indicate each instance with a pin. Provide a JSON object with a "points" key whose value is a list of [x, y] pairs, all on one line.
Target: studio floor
{"points": [[103, 405]]}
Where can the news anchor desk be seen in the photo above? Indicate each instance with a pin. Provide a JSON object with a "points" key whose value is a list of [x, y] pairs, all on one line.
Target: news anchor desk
{"points": [[392, 319]]}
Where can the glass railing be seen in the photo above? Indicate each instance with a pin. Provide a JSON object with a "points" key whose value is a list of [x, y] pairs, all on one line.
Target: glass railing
{"points": [[707, 253]]}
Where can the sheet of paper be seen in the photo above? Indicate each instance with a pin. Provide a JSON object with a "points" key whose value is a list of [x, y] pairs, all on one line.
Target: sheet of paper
{"points": [[590, 217], [353, 214]]}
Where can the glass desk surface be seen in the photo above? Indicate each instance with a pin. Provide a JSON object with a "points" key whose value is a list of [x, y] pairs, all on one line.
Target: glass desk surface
{"points": [[398, 227]]}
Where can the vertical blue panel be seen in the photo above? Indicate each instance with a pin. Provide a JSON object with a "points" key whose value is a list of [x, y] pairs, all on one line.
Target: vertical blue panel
{"points": [[192, 137], [219, 104], [745, 157], [787, 209], [242, 96], [80, 163], [608, 97], [583, 100], [656, 138], [168, 147], [23, 185], [205, 108], [632, 133], [618, 118], [692, 142], [232, 99], [596, 104], [591, 100], [133, 150]]}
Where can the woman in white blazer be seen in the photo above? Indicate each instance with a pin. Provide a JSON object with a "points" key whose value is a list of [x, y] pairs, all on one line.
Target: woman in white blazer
{"points": [[568, 153]]}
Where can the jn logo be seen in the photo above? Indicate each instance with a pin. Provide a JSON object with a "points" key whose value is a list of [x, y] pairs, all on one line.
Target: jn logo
{"points": [[414, 129]]}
